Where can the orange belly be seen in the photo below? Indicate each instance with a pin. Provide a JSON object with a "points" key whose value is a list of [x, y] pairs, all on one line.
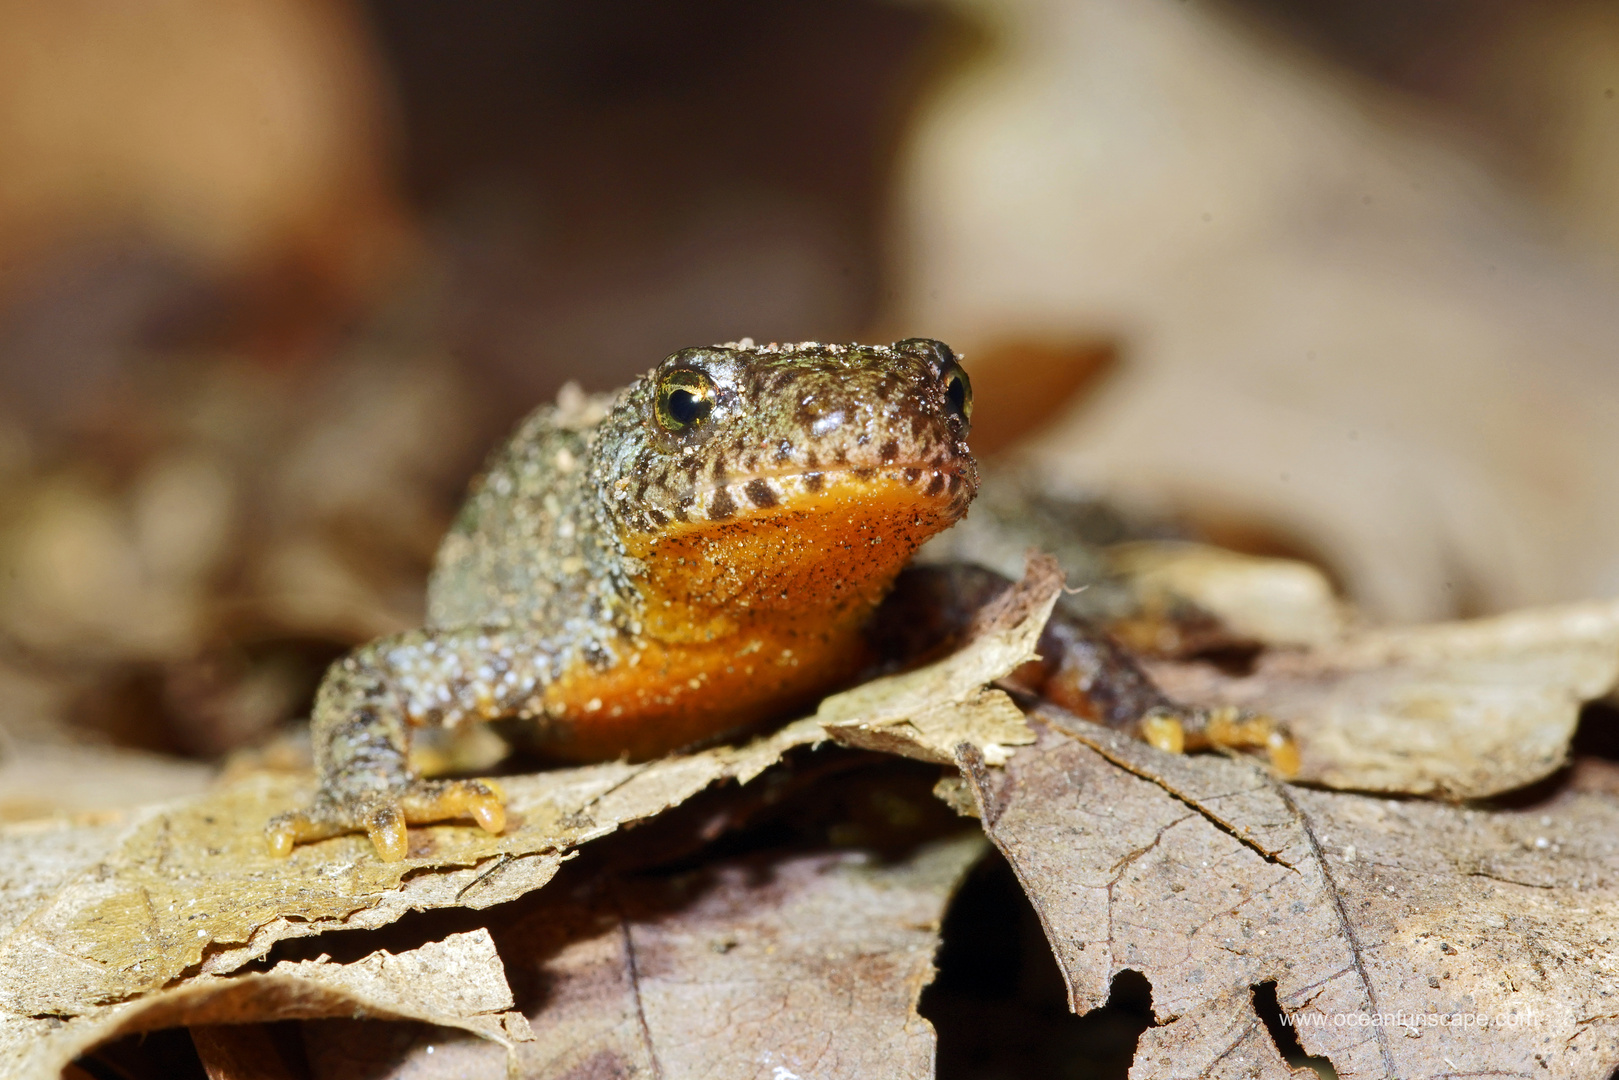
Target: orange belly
{"points": [[744, 619], [674, 696]]}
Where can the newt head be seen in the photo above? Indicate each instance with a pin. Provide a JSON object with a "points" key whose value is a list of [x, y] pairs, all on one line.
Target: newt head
{"points": [[783, 478]]}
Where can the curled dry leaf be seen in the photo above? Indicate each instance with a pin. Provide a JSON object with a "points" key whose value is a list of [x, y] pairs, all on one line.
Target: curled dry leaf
{"points": [[774, 965], [926, 713], [458, 982], [1458, 710], [98, 915], [95, 915], [1391, 929]]}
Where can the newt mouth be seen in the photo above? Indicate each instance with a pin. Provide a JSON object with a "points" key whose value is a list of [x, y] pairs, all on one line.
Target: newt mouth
{"points": [[941, 486], [810, 540]]}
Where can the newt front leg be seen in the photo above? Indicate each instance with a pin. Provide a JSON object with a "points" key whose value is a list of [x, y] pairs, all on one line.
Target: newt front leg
{"points": [[363, 714]]}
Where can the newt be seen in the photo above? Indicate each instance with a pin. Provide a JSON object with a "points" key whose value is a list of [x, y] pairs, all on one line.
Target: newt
{"points": [[638, 573]]}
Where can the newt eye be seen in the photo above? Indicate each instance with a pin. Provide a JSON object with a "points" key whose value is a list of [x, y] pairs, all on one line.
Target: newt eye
{"points": [[685, 398], [958, 390]]}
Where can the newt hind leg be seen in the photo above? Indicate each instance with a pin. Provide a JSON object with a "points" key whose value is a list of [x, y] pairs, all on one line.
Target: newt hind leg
{"points": [[1082, 668], [1087, 672]]}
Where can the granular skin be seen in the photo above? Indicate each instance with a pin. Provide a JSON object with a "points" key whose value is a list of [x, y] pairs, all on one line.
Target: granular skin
{"points": [[638, 573]]}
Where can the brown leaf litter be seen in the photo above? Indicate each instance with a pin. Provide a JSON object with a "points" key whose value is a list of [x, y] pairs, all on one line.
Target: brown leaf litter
{"points": [[771, 965], [1402, 936], [1462, 710], [458, 982], [95, 916]]}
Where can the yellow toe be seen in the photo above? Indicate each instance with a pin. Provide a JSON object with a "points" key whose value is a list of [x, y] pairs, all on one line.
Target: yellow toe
{"points": [[387, 832]]}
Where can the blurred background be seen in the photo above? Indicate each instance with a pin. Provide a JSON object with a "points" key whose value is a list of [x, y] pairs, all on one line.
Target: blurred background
{"points": [[1328, 277]]}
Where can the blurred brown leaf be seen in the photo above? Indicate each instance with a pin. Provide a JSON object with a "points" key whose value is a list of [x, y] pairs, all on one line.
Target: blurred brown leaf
{"points": [[1342, 323], [179, 584], [246, 139], [41, 780], [1020, 386]]}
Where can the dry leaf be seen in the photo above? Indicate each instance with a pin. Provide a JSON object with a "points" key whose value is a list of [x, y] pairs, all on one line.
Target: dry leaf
{"points": [[93, 915], [771, 966], [926, 713], [458, 982], [1460, 710], [96, 915], [1388, 927]]}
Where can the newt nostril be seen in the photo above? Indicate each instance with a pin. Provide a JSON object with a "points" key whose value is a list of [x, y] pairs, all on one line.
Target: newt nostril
{"points": [[936, 351]]}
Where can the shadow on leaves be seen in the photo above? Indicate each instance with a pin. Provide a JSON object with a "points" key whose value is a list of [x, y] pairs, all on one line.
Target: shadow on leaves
{"points": [[999, 1004]]}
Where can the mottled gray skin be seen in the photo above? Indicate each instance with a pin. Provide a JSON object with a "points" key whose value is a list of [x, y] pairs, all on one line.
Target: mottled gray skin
{"points": [[534, 577], [540, 540]]}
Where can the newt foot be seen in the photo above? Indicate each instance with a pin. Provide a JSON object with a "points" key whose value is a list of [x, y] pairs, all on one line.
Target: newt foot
{"points": [[1227, 727], [383, 817]]}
